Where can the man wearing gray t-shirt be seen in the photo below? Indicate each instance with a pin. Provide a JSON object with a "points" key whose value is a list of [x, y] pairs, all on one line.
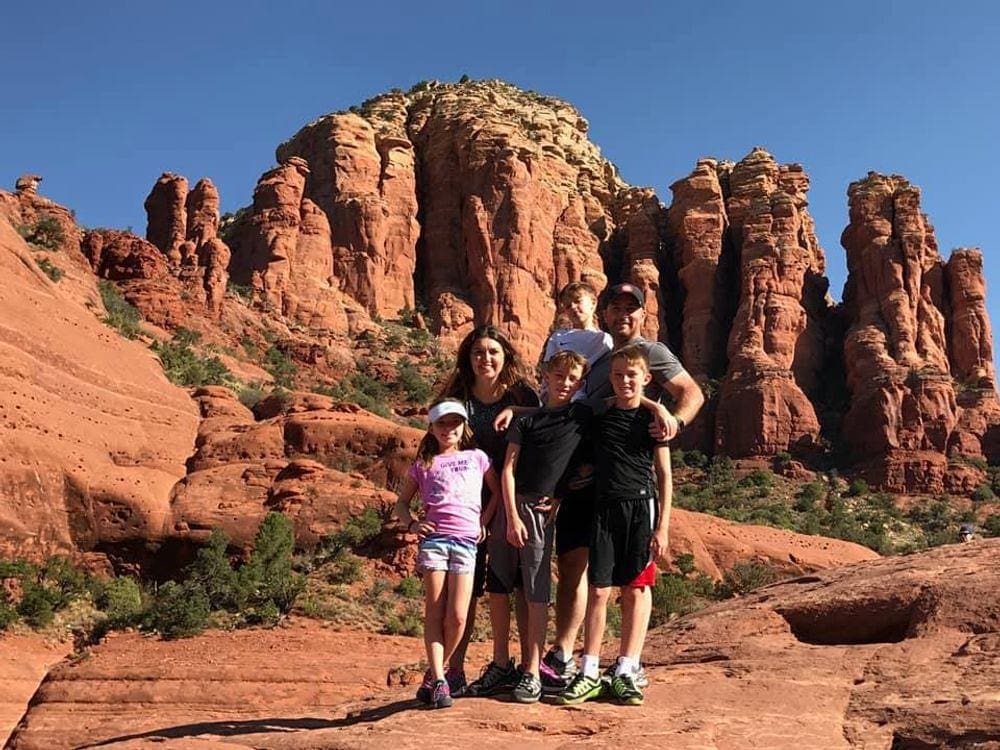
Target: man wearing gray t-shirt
{"points": [[624, 314]]}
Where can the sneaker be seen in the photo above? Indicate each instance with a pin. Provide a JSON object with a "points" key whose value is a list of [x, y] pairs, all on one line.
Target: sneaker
{"points": [[556, 674], [456, 682], [528, 689], [581, 689], [640, 678], [494, 679], [440, 695], [625, 691], [426, 687]]}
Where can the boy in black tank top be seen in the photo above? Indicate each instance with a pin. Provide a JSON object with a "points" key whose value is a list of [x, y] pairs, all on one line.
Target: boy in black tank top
{"points": [[630, 529]]}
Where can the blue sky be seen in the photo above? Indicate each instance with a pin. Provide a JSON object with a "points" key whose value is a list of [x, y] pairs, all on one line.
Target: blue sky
{"points": [[102, 97]]}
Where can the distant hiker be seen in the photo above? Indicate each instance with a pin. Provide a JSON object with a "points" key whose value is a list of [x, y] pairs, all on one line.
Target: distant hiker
{"points": [[450, 475], [966, 532], [489, 377], [630, 532]]}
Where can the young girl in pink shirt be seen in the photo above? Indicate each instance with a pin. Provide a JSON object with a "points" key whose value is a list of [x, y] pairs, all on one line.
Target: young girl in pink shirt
{"points": [[449, 475]]}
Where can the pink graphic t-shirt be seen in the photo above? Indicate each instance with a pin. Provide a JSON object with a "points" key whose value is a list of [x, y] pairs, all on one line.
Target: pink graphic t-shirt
{"points": [[452, 492]]}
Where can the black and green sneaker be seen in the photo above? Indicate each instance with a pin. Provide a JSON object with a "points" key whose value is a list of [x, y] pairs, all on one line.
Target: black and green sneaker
{"points": [[581, 689], [625, 691], [494, 679]]}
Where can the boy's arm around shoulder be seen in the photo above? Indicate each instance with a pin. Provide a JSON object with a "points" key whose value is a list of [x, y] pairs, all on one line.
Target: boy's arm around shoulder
{"points": [[664, 487]]}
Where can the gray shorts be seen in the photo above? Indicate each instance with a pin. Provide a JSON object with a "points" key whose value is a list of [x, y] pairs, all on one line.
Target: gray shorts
{"points": [[529, 567]]}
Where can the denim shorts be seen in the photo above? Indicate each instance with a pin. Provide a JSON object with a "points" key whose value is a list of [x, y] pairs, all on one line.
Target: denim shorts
{"points": [[447, 553]]}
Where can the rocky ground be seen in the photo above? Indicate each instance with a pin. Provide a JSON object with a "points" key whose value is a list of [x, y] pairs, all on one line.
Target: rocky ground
{"points": [[893, 653]]}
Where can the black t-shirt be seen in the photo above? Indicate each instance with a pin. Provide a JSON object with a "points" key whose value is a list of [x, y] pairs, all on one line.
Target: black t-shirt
{"points": [[481, 416], [548, 438], [624, 450]]}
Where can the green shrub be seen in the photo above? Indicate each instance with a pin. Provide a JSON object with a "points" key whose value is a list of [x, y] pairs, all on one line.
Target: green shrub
{"points": [[758, 478], [212, 571], [251, 395], [857, 488], [412, 384], [179, 609], [121, 314], [410, 587], [38, 603], [8, 612], [53, 272], [356, 532], [184, 367], [744, 577], [983, 493], [268, 576], [46, 233], [695, 459], [344, 567], [239, 290], [121, 602], [281, 368], [991, 526]]}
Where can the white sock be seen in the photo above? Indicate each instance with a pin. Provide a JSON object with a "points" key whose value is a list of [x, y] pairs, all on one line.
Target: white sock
{"points": [[591, 666], [626, 665]]}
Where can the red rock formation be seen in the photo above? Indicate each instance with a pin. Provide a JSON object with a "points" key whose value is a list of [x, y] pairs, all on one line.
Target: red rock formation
{"points": [[698, 222], [762, 408], [94, 435], [641, 219], [284, 250], [184, 227], [970, 353], [363, 179], [501, 172], [166, 213], [903, 406]]}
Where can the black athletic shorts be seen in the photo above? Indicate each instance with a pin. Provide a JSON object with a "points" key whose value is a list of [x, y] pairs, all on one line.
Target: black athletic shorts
{"points": [[619, 550], [575, 519], [479, 574]]}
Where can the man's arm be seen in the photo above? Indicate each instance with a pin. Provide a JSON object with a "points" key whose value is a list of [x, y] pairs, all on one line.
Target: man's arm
{"points": [[665, 487], [688, 398]]}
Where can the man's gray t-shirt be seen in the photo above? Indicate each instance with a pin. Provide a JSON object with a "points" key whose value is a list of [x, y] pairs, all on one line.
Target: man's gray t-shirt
{"points": [[663, 364]]}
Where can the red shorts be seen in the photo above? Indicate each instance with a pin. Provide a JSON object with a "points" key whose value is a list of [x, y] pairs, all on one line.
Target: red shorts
{"points": [[646, 578]]}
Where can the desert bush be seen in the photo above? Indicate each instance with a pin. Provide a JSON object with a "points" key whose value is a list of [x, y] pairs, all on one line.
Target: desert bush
{"points": [[184, 367], [410, 587], [122, 315], [179, 609], [744, 577], [412, 384], [121, 601], [857, 487], [53, 272], [983, 493], [251, 395], [46, 233], [213, 572], [269, 576], [280, 366]]}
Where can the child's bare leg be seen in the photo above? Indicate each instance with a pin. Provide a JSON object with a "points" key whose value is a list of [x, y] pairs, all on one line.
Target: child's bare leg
{"points": [[538, 619], [637, 604], [597, 610], [434, 606], [457, 659], [521, 615], [459, 592], [500, 626], [571, 597]]}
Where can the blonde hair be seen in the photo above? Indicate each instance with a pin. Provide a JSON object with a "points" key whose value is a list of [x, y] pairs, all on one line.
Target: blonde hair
{"points": [[568, 358], [571, 292], [429, 446], [633, 354]]}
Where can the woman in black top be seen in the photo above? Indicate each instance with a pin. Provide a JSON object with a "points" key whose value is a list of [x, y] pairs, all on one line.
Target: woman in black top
{"points": [[489, 376]]}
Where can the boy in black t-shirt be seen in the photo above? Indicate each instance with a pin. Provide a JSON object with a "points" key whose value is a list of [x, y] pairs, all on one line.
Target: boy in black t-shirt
{"points": [[539, 448], [630, 529]]}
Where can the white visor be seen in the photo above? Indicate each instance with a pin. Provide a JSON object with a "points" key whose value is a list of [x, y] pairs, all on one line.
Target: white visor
{"points": [[443, 409]]}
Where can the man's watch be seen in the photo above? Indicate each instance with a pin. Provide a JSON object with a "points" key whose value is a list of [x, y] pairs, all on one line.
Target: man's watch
{"points": [[680, 422]]}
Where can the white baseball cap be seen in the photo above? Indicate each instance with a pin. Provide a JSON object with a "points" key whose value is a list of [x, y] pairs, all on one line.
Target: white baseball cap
{"points": [[445, 408]]}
